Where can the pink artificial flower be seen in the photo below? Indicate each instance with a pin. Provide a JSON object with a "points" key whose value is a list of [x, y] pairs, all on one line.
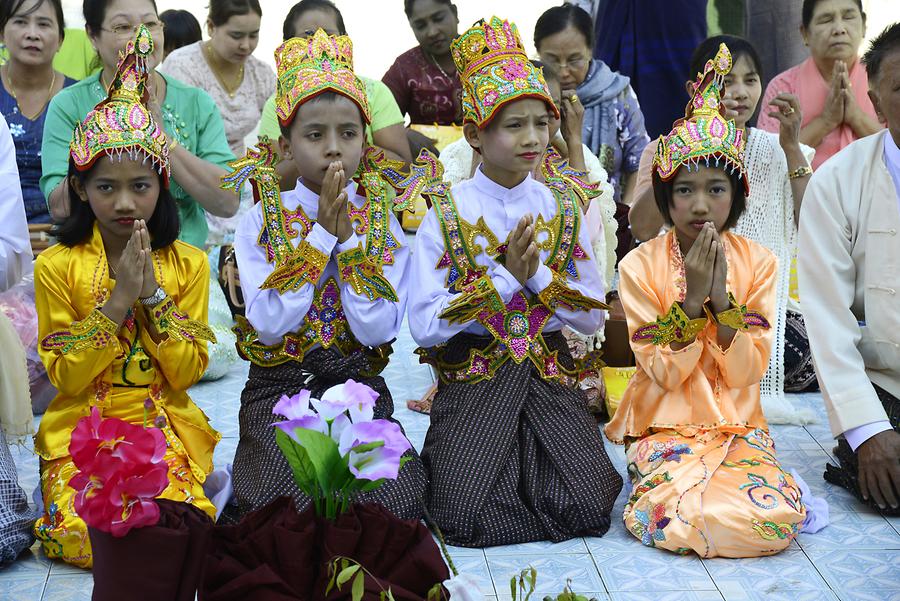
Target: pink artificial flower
{"points": [[351, 396], [122, 470], [102, 446], [134, 499], [378, 463]]}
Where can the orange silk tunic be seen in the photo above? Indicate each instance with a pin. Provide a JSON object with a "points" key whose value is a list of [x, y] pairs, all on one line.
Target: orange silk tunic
{"points": [[700, 387]]}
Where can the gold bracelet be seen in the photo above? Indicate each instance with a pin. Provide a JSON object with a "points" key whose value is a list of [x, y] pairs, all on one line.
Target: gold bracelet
{"points": [[800, 172]]}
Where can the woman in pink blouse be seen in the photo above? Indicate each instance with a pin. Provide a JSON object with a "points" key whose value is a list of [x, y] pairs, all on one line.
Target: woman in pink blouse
{"points": [[831, 84]]}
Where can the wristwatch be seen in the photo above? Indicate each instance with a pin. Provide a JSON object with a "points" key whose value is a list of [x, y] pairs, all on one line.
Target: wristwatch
{"points": [[155, 298]]}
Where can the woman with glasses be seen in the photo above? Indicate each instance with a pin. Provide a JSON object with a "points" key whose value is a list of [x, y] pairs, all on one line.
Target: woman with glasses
{"points": [[613, 124], [225, 68], [198, 152], [32, 31]]}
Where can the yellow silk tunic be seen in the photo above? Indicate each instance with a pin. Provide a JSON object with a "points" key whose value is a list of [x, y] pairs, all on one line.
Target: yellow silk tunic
{"points": [[118, 375], [702, 465]]}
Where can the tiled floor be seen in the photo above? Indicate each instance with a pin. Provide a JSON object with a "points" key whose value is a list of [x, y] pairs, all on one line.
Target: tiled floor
{"points": [[856, 558]]}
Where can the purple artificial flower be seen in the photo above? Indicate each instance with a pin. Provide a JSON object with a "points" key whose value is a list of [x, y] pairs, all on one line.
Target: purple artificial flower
{"points": [[311, 421], [351, 396], [378, 463], [293, 407]]}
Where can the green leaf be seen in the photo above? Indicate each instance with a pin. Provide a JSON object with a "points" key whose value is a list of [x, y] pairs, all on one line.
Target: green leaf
{"points": [[369, 446], [324, 455], [359, 587], [435, 593], [512, 587], [369, 485], [298, 459], [346, 574]]}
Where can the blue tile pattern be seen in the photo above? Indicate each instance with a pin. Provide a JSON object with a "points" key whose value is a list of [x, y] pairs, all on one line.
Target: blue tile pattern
{"points": [[856, 558]]}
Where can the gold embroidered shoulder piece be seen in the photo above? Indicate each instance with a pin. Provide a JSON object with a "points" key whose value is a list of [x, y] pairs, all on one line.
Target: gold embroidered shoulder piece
{"points": [[674, 326], [738, 317], [93, 332], [559, 175], [171, 320]]}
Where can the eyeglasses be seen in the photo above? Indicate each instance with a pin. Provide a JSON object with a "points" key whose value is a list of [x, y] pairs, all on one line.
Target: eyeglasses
{"points": [[129, 31], [575, 64]]}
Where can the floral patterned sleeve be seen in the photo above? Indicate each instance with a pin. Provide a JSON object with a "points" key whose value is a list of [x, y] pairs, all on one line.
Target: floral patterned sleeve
{"points": [[633, 136]]}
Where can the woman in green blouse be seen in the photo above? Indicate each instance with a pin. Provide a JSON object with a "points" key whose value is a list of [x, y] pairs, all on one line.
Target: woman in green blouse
{"points": [[199, 153]]}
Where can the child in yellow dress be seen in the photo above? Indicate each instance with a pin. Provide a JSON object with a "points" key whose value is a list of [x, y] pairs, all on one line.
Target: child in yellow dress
{"points": [[121, 307]]}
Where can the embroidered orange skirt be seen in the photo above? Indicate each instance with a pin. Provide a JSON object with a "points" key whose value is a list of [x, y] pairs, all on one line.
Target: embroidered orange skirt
{"points": [[716, 494]]}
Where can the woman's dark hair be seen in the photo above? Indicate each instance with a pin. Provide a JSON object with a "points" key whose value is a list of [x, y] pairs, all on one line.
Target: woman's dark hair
{"points": [[222, 10], [408, 6], [662, 193], [305, 6], [708, 48], [739, 47], [549, 73], [164, 225], [887, 41], [182, 29], [559, 18], [9, 8], [809, 7], [95, 11]]}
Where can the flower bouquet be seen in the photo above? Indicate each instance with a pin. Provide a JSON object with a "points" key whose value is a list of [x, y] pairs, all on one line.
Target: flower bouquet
{"points": [[336, 451], [138, 542]]}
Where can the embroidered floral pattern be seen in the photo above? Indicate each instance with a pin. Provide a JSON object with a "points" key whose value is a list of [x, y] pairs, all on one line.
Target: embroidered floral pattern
{"points": [[775, 530], [670, 450], [650, 525]]}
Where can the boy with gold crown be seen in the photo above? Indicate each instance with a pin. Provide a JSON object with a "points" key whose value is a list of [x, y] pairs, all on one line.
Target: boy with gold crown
{"points": [[501, 265], [121, 308], [697, 300], [323, 267]]}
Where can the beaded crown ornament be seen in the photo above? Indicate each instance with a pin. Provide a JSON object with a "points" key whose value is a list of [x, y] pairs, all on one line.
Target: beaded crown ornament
{"points": [[495, 70], [121, 124], [310, 66], [704, 134]]}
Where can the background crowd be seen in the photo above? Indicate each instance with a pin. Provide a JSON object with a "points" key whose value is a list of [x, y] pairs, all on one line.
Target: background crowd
{"points": [[619, 74]]}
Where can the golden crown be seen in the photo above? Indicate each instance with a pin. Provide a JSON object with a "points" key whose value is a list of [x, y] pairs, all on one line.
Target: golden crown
{"points": [[121, 123], [495, 70], [310, 66], [704, 134]]}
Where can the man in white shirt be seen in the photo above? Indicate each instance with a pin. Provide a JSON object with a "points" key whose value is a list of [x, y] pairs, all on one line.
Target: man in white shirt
{"points": [[849, 264], [15, 246]]}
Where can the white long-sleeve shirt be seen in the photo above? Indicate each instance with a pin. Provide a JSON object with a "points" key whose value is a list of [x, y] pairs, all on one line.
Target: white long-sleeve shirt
{"points": [[501, 208], [273, 315], [849, 279], [15, 245]]}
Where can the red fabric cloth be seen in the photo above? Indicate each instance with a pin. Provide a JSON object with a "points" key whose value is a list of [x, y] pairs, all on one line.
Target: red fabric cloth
{"points": [[276, 554], [156, 563]]}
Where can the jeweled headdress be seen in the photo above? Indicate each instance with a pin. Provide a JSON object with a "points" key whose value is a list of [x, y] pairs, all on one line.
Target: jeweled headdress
{"points": [[495, 70], [121, 124], [704, 134], [309, 66]]}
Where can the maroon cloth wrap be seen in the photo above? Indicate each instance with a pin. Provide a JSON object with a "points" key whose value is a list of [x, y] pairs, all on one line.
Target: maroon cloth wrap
{"points": [[277, 554], [155, 563]]}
